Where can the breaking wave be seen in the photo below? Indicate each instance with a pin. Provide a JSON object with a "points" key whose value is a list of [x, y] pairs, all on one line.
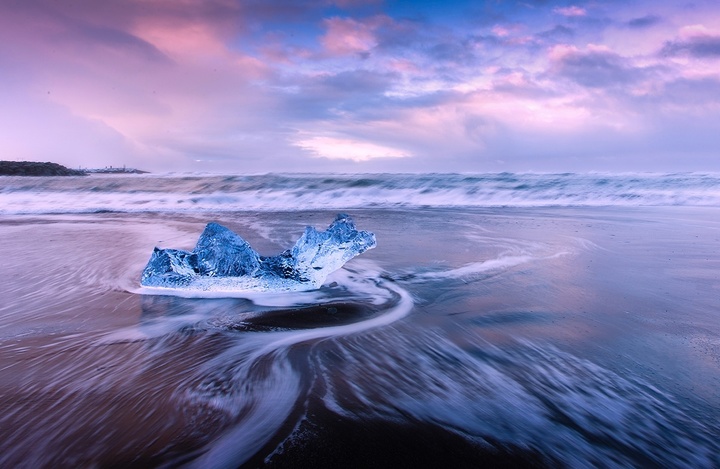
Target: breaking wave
{"points": [[279, 192]]}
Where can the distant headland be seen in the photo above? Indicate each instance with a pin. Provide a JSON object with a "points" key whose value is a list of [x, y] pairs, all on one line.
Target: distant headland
{"points": [[114, 170], [34, 168]]}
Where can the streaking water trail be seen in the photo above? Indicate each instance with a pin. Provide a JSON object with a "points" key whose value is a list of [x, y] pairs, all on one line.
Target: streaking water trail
{"points": [[562, 337], [276, 389], [523, 394], [253, 381]]}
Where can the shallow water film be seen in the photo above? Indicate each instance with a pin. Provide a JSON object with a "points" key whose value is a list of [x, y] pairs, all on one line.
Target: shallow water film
{"points": [[469, 337]]}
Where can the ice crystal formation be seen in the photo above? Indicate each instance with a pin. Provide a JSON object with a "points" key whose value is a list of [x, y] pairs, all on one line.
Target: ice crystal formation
{"points": [[222, 260]]}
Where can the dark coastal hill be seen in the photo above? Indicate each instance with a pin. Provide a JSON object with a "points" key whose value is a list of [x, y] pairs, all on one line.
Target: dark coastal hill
{"points": [[34, 168]]}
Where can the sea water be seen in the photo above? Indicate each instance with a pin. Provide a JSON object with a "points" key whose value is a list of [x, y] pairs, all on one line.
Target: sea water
{"points": [[287, 192], [502, 319]]}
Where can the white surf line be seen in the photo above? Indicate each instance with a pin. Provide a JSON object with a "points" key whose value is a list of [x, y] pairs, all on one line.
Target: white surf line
{"points": [[399, 311], [288, 298], [484, 266]]}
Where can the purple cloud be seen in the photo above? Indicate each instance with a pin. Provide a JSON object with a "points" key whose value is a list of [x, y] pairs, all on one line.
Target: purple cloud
{"points": [[695, 41], [644, 21], [594, 67]]}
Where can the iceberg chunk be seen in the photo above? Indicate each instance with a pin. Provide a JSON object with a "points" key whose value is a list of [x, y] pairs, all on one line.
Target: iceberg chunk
{"points": [[222, 253], [222, 260]]}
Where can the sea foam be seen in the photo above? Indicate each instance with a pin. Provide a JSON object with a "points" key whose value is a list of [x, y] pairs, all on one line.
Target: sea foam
{"points": [[287, 192]]}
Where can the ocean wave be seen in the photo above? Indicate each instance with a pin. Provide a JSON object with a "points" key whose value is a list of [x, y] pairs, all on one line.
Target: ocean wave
{"points": [[284, 192]]}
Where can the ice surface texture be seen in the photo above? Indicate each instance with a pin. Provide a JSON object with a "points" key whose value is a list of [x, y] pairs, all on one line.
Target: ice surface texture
{"points": [[222, 260]]}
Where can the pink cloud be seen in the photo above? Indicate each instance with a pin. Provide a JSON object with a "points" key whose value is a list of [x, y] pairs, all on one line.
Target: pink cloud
{"points": [[354, 3], [500, 31], [347, 149], [507, 29], [571, 11], [697, 31], [514, 79], [403, 66], [159, 73], [346, 36], [511, 34], [560, 51]]}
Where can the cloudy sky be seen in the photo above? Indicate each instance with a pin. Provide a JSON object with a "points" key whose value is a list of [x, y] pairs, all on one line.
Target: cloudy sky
{"points": [[361, 85]]}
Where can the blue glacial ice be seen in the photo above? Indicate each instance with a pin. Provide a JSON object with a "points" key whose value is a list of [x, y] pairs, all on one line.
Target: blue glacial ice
{"points": [[224, 261]]}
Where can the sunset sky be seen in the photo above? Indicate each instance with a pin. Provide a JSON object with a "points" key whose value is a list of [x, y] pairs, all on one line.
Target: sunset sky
{"points": [[351, 85]]}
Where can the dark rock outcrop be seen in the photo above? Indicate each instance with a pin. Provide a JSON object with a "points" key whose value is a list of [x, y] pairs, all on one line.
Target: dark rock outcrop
{"points": [[33, 168]]}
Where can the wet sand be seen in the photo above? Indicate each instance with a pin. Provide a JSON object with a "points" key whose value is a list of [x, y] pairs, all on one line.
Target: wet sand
{"points": [[547, 336]]}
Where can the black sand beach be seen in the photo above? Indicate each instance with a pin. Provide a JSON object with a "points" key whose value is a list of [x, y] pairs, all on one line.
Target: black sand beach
{"points": [[468, 338]]}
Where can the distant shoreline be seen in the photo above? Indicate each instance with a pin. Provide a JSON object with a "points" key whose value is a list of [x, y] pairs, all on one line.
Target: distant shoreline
{"points": [[35, 168], [111, 170]]}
